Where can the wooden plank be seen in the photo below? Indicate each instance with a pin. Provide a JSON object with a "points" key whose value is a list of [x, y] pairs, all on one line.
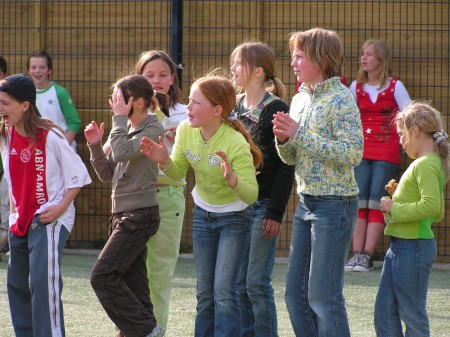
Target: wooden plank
{"points": [[38, 41]]}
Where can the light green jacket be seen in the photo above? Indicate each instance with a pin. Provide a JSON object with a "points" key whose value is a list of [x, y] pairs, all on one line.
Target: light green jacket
{"points": [[418, 199], [191, 150]]}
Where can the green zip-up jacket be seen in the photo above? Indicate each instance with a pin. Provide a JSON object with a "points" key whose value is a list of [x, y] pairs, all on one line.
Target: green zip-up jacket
{"points": [[191, 150], [418, 199]]}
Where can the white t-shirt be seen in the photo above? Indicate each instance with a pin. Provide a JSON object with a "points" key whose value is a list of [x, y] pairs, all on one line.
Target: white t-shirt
{"points": [[177, 115], [400, 94], [64, 169]]}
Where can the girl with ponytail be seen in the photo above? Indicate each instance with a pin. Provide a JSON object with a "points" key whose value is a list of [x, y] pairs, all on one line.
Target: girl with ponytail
{"points": [[224, 159], [417, 202], [253, 66]]}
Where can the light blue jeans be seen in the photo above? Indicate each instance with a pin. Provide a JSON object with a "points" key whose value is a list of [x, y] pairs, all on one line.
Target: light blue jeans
{"points": [[219, 240], [258, 311], [321, 233], [402, 295], [371, 177]]}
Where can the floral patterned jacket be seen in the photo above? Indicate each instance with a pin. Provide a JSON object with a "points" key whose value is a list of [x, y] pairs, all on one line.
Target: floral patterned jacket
{"points": [[329, 141]]}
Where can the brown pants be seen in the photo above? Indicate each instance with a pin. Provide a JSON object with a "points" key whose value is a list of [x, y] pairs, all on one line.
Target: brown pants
{"points": [[119, 276]]}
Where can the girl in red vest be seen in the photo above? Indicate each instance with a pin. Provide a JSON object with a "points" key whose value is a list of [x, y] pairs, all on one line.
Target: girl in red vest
{"points": [[379, 96]]}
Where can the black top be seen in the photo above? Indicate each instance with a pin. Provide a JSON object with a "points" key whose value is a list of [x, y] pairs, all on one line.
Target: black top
{"points": [[276, 178]]}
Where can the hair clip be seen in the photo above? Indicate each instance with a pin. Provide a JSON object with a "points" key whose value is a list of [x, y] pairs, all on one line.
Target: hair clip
{"points": [[232, 116], [440, 136]]}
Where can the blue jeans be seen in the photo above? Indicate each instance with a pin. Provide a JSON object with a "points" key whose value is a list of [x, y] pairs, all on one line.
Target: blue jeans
{"points": [[402, 295], [321, 233], [371, 177], [258, 311], [219, 240]]}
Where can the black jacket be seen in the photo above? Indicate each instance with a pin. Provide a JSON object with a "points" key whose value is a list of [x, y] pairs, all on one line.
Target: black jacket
{"points": [[276, 178]]}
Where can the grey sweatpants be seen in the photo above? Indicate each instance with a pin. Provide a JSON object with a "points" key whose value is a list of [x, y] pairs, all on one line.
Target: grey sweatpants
{"points": [[4, 204], [34, 280]]}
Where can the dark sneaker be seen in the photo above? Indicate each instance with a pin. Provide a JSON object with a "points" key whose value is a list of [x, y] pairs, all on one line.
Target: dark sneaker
{"points": [[351, 263], [364, 263]]}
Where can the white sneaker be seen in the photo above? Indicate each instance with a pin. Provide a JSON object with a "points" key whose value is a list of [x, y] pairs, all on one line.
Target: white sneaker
{"points": [[364, 263], [351, 263], [158, 331]]}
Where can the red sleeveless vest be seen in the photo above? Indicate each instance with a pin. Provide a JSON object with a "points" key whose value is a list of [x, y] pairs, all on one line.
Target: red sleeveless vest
{"points": [[381, 140]]}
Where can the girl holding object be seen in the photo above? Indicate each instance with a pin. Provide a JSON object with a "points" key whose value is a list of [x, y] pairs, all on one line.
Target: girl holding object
{"points": [[418, 202]]}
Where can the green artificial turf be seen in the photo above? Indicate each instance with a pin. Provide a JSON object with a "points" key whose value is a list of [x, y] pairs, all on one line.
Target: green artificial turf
{"points": [[85, 317]]}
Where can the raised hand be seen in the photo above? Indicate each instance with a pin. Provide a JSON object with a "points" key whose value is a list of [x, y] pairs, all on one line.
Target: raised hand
{"points": [[156, 152], [93, 133], [227, 171], [118, 105]]}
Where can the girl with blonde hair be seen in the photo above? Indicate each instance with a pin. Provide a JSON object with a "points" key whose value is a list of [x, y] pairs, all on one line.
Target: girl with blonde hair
{"points": [[379, 96], [322, 137], [417, 202], [253, 66]]}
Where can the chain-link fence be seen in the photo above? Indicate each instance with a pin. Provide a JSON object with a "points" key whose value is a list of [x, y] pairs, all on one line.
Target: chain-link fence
{"points": [[95, 42]]}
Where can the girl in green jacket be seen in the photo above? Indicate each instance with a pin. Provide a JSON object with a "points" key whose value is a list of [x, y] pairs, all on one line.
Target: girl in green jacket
{"points": [[215, 144]]}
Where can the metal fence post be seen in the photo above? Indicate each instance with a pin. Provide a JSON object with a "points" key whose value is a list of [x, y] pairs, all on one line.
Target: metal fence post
{"points": [[177, 43]]}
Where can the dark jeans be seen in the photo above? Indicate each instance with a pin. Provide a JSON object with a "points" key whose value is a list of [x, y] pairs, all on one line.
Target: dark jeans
{"points": [[119, 276]]}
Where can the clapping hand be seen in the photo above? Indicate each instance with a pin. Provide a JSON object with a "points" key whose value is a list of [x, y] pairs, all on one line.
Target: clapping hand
{"points": [[227, 171], [284, 127]]}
